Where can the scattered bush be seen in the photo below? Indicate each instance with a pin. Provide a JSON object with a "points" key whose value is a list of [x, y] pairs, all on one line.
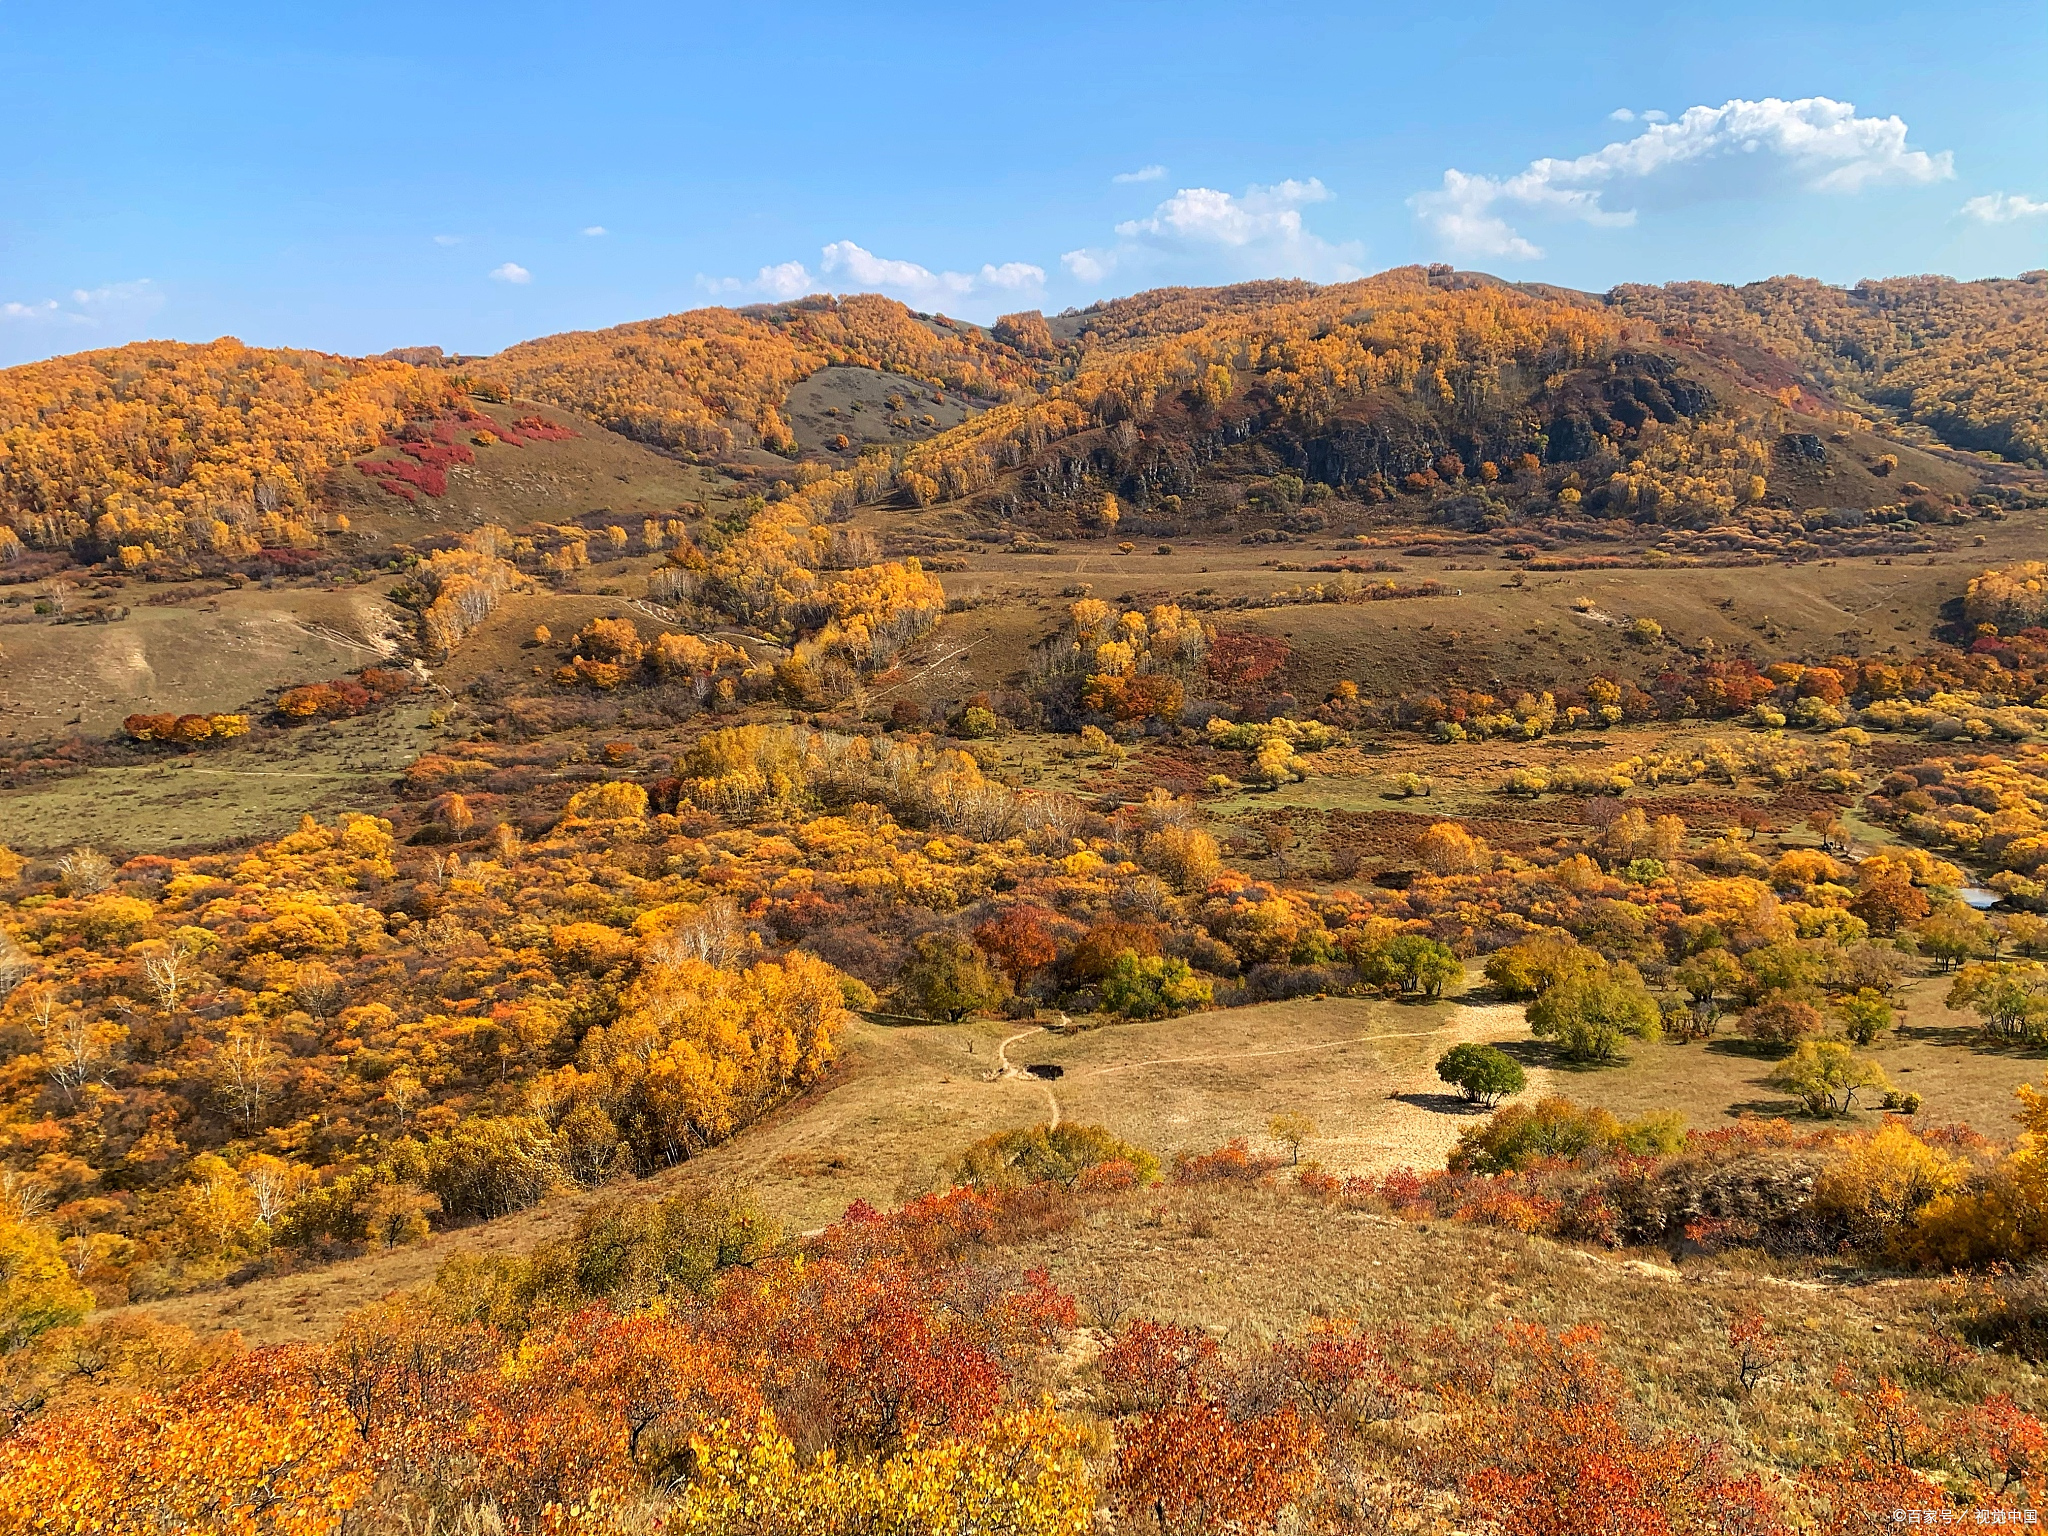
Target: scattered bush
{"points": [[1484, 1074]]}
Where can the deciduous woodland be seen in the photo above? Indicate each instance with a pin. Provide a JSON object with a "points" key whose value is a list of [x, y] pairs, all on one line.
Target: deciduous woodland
{"points": [[1419, 905]]}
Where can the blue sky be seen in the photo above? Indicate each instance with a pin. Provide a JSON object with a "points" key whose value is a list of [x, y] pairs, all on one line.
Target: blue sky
{"points": [[356, 177]]}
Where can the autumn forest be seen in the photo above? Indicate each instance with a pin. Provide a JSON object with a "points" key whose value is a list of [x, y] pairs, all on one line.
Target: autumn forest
{"points": [[1414, 905]]}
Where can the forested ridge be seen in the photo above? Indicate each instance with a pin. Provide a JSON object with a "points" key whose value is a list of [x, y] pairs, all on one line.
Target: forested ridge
{"points": [[153, 453]]}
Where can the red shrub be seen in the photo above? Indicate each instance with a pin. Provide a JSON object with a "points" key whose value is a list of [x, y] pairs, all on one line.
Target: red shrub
{"points": [[1232, 1163]]}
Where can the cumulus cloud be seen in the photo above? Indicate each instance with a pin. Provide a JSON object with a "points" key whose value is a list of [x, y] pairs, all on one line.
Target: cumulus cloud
{"points": [[859, 269], [1261, 230], [511, 272], [1142, 173], [596, 229], [786, 280], [1204, 214], [1089, 266], [919, 285], [110, 304], [1821, 144], [2004, 208], [1621, 115]]}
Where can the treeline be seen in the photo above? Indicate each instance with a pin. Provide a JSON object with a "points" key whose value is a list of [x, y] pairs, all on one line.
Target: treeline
{"points": [[1992, 691]]}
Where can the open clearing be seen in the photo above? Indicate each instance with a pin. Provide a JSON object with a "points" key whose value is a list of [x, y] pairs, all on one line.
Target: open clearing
{"points": [[185, 803], [907, 1100], [220, 651]]}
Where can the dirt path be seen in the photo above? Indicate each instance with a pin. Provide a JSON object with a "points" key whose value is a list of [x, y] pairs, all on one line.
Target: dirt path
{"points": [[1004, 1069]]}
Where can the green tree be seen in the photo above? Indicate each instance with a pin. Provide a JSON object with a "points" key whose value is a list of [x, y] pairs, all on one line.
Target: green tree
{"points": [[1422, 965], [1953, 935], [1153, 987], [1710, 975], [947, 977], [1589, 1017], [1059, 1155], [1865, 1016], [1826, 1076], [2011, 998], [1484, 1074], [1522, 1134]]}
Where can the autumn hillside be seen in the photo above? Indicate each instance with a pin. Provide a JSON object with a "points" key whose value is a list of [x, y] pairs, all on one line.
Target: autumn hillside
{"points": [[1417, 905]]}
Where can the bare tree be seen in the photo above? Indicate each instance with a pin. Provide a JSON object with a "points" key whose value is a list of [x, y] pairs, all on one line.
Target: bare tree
{"points": [[1108, 1295], [15, 964], [715, 936], [273, 1183], [59, 594], [76, 1048], [319, 989], [244, 1073], [403, 1092], [169, 970], [24, 1197], [86, 870]]}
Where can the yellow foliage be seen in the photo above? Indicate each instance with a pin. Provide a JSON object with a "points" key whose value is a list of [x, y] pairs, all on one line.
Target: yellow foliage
{"points": [[1026, 1474], [182, 446]]}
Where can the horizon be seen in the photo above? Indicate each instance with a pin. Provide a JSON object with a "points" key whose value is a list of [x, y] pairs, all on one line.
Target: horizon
{"points": [[368, 179], [769, 305]]}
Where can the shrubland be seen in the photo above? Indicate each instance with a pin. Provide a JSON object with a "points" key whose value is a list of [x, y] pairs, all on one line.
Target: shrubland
{"points": [[622, 909], [681, 1361]]}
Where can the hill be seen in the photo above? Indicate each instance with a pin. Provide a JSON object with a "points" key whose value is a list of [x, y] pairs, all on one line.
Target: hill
{"points": [[1132, 918]]}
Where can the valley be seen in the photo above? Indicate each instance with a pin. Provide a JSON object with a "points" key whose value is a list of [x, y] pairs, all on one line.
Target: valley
{"points": [[1497, 811]]}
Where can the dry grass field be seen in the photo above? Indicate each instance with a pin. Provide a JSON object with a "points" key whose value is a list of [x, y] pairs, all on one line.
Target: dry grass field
{"points": [[251, 790], [208, 650], [1494, 626]]}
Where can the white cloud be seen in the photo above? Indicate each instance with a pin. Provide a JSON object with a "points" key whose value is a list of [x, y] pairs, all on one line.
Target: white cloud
{"points": [[1821, 143], [862, 270], [1260, 231], [920, 286], [447, 239], [110, 304], [511, 272], [1654, 116], [787, 280], [1621, 115], [1142, 173], [596, 229], [1204, 214], [2004, 208], [1089, 266]]}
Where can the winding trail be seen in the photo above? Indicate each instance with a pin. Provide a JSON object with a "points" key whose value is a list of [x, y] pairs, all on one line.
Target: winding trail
{"points": [[1004, 1069]]}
